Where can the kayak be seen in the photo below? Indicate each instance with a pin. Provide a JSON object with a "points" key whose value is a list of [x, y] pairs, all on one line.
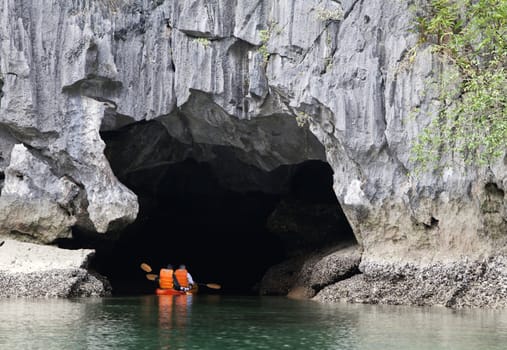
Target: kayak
{"points": [[161, 291]]}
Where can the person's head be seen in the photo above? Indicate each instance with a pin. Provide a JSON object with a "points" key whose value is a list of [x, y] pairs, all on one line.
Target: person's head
{"points": [[183, 267], [169, 267]]}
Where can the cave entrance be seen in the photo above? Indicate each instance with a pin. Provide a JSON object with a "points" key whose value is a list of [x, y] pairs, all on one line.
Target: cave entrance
{"points": [[227, 221]]}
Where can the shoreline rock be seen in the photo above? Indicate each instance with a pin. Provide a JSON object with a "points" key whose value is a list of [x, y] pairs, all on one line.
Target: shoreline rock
{"points": [[461, 284], [32, 270], [343, 275]]}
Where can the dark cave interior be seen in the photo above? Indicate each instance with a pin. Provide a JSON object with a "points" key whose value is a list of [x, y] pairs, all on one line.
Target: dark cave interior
{"points": [[223, 236]]}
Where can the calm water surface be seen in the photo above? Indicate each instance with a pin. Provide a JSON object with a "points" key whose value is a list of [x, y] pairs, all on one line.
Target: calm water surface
{"points": [[228, 322]]}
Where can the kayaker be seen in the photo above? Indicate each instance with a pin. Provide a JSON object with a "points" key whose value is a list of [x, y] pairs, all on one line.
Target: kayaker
{"points": [[183, 278], [166, 278]]}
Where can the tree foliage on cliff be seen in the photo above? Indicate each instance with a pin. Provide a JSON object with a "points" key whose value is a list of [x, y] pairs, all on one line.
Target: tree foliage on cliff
{"points": [[471, 37]]}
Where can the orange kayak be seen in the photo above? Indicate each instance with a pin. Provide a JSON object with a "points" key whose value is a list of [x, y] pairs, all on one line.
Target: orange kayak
{"points": [[161, 291]]}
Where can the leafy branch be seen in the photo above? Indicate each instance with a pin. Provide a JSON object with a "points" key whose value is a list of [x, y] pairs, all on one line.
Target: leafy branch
{"points": [[471, 36]]}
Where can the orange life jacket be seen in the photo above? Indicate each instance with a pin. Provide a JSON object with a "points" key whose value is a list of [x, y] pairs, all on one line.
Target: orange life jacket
{"points": [[181, 276], [166, 279]]}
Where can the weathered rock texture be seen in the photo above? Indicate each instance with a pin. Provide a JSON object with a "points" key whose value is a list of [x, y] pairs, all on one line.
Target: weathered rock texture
{"points": [[305, 275], [32, 270], [230, 79], [459, 284]]}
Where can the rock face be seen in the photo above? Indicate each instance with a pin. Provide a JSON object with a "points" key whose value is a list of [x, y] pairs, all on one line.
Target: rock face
{"points": [[231, 80], [462, 283], [32, 270], [305, 275]]}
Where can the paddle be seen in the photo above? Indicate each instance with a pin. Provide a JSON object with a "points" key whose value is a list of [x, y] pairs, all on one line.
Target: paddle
{"points": [[145, 267], [153, 277], [210, 285]]}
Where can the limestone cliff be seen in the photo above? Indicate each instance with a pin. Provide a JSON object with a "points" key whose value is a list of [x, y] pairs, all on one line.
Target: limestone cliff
{"points": [[242, 75]]}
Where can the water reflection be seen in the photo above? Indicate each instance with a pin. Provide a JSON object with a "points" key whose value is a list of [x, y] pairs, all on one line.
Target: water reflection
{"points": [[173, 316], [221, 322], [415, 328]]}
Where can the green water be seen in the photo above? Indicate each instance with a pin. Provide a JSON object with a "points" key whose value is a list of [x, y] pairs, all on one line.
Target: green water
{"points": [[228, 322]]}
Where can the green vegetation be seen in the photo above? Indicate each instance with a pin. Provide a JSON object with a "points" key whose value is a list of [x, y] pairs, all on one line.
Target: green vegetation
{"points": [[325, 14], [302, 118], [113, 5], [471, 38], [265, 34], [203, 41]]}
